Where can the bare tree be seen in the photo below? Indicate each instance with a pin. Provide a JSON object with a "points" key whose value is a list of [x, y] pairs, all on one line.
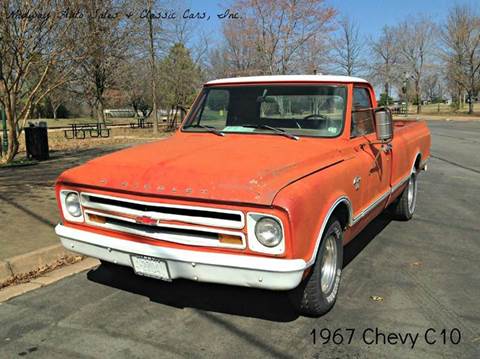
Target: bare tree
{"points": [[435, 84], [187, 31], [460, 37], [416, 40], [135, 83], [347, 48], [103, 43], [239, 52], [153, 66], [270, 35], [30, 47], [218, 63], [384, 57], [58, 97]]}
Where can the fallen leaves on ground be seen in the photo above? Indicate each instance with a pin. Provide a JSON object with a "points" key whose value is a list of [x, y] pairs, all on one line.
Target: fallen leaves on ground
{"points": [[376, 298], [27, 277], [118, 136]]}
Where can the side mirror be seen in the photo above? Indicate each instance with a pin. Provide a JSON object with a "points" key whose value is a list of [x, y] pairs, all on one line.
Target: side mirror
{"points": [[384, 124]]}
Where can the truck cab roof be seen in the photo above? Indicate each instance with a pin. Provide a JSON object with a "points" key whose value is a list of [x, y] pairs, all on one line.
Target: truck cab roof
{"points": [[286, 78]]}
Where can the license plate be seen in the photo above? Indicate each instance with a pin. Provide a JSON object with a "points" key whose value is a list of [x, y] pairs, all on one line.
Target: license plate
{"points": [[151, 267]]}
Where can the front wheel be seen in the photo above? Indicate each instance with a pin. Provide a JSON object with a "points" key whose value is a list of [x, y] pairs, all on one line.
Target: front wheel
{"points": [[404, 207], [317, 294]]}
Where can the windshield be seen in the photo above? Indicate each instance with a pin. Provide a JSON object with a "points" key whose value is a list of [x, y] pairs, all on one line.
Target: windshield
{"points": [[316, 110]]}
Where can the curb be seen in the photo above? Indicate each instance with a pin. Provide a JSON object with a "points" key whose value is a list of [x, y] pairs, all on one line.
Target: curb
{"points": [[48, 278], [31, 261]]}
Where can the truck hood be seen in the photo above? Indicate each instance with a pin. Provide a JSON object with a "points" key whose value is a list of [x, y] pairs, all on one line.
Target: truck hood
{"points": [[203, 166]]}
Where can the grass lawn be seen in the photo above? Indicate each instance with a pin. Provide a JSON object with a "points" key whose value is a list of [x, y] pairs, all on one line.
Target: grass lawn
{"points": [[118, 135], [444, 109], [64, 122]]}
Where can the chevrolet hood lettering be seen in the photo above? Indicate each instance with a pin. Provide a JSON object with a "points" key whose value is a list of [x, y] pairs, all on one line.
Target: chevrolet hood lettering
{"points": [[234, 168]]}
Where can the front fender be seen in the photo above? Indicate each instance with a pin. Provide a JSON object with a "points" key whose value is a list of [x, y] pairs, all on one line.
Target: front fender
{"points": [[309, 203]]}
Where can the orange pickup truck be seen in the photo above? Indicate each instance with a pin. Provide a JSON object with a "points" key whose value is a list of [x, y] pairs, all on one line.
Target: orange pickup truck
{"points": [[263, 184]]}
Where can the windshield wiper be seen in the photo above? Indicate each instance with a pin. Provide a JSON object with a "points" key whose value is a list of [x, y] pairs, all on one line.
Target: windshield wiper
{"points": [[280, 131], [208, 128]]}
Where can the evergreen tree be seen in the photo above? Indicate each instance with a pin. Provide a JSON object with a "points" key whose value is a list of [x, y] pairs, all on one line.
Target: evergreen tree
{"points": [[180, 79]]}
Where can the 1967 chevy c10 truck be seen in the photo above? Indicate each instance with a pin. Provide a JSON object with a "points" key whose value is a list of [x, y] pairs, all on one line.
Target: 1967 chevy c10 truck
{"points": [[262, 185]]}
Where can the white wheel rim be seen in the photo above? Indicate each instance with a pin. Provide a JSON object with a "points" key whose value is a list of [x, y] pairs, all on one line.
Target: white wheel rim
{"points": [[329, 265], [412, 193]]}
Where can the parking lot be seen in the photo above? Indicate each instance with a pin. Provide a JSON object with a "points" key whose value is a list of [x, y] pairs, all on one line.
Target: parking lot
{"points": [[412, 279]]}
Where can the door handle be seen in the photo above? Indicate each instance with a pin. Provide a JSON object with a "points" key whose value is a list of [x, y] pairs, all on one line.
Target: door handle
{"points": [[387, 147]]}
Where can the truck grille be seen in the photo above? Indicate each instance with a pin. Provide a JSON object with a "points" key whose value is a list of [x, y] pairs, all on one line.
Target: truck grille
{"points": [[189, 225]]}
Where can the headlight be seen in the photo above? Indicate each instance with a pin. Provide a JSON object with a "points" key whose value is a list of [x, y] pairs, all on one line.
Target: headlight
{"points": [[72, 204], [268, 232]]}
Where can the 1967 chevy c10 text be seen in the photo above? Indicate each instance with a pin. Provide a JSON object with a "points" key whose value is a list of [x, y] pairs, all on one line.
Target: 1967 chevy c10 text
{"points": [[263, 184]]}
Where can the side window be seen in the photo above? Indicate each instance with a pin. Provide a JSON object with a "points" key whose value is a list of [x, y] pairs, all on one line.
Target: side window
{"points": [[362, 113]]}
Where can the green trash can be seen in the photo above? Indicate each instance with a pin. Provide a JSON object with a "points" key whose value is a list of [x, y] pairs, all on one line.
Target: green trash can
{"points": [[36, 141]]}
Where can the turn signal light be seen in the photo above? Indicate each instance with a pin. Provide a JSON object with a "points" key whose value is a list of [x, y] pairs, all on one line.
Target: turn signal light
{"points": [[97, 219], [229, 239]]}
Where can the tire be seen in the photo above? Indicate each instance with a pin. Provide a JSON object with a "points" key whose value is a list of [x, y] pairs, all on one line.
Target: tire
{"points": [[317, 293], [404, 206]]}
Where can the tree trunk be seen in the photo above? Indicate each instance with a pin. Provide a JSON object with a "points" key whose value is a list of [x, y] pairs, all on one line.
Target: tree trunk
{"points": [[387, 92], [102, 114], [55, 109], [153, 70], [174, 122], [135, 109], [418, 97], [172, 118], [470, 101], [12, 148]]}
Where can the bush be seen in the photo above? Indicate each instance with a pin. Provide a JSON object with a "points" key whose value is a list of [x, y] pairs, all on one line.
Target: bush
{"points": [[383, 99]]}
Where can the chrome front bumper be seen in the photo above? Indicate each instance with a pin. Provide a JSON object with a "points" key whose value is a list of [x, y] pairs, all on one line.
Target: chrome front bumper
{"points": [[232, 269]]}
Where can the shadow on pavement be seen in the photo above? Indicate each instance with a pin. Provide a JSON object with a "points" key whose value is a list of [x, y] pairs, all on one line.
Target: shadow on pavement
{"points": [[247, 302], [354, 247], [46, 172], [28, 212]]}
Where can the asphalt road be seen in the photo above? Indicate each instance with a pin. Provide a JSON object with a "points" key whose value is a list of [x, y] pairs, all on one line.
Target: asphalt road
{"points": [[426, 271]]}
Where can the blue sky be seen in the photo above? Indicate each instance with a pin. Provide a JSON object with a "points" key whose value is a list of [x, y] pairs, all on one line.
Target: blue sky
{"points": [[370, 15]]}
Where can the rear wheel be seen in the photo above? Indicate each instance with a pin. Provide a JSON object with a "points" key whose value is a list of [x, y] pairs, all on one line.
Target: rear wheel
{"points": [[317, 294], [404, 207]]}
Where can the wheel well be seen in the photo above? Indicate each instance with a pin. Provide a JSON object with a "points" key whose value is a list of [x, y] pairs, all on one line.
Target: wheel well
{"points": [[418, 160], [342, 213]]}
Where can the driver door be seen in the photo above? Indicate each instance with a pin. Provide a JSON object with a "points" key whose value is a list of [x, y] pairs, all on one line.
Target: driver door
{"points": [[377, 162]]}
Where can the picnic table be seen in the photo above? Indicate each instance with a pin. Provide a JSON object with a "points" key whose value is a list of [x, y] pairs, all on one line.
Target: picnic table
{"points": [[398, 109], [141, 123], [82, 130]]}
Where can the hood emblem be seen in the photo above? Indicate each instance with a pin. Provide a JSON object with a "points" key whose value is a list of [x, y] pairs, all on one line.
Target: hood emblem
{"points": [[148, 221]]}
